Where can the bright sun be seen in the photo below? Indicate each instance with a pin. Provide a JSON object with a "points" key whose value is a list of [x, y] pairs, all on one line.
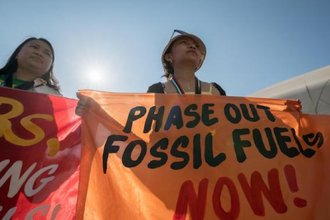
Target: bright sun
{"points": [[95, 74]]}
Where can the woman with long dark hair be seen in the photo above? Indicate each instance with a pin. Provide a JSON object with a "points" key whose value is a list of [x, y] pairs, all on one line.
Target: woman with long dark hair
{"points": [[30, 67]]}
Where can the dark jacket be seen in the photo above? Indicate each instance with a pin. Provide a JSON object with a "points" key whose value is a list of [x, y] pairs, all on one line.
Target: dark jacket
{"points": [[159, 88]]}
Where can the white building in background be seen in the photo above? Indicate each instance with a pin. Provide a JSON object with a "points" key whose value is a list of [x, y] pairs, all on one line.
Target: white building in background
{"points": [[313, 90]]}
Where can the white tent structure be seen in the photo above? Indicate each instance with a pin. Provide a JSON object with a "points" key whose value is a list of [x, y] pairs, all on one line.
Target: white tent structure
{"points": [[312, 89]]}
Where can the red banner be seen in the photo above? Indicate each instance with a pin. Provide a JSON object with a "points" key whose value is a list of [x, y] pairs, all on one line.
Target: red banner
{"points": [[39, 156]]}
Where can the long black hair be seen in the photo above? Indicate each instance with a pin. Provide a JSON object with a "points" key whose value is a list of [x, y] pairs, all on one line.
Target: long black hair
{"points": [[11, 66]]}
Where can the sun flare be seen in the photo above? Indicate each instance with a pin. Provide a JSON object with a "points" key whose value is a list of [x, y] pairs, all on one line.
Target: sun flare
{"points": [[95, 74]]}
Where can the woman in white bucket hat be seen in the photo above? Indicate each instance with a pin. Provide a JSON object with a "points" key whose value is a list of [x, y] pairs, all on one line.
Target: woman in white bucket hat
{"points": [[182, 57]]}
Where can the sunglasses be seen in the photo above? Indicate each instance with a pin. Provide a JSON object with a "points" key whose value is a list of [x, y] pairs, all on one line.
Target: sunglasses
{"points": [[177, 32]]}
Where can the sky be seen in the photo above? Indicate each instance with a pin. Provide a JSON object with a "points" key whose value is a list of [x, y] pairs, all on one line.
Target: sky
{"points": [[116, 46]]}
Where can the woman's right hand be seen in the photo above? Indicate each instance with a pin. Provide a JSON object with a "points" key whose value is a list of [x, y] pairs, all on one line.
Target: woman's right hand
{"points": [[81, 104]]}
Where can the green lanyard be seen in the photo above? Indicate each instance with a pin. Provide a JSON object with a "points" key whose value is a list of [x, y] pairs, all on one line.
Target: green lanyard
{"points": [[179, 89], [11, 82]]}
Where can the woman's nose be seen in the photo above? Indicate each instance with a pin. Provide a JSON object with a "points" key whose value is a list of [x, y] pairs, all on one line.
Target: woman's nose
{"points": [[38, 53], [192, 46]]}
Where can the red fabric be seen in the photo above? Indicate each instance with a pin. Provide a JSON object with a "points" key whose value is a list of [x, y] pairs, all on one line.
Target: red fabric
{"points": [[39, 155]]}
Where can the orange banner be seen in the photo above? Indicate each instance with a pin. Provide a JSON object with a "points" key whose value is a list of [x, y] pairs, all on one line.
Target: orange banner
{"points": [[148, 156]]}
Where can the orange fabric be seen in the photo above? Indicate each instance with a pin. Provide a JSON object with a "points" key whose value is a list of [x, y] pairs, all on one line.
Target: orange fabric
{"points": [[228, 158]]}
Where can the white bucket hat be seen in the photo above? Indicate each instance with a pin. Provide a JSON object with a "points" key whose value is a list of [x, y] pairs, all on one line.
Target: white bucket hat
{"points": [[200, 43]]}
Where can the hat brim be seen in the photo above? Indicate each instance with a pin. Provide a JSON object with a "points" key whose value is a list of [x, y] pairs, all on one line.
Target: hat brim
{"points": [[200, 43]]}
